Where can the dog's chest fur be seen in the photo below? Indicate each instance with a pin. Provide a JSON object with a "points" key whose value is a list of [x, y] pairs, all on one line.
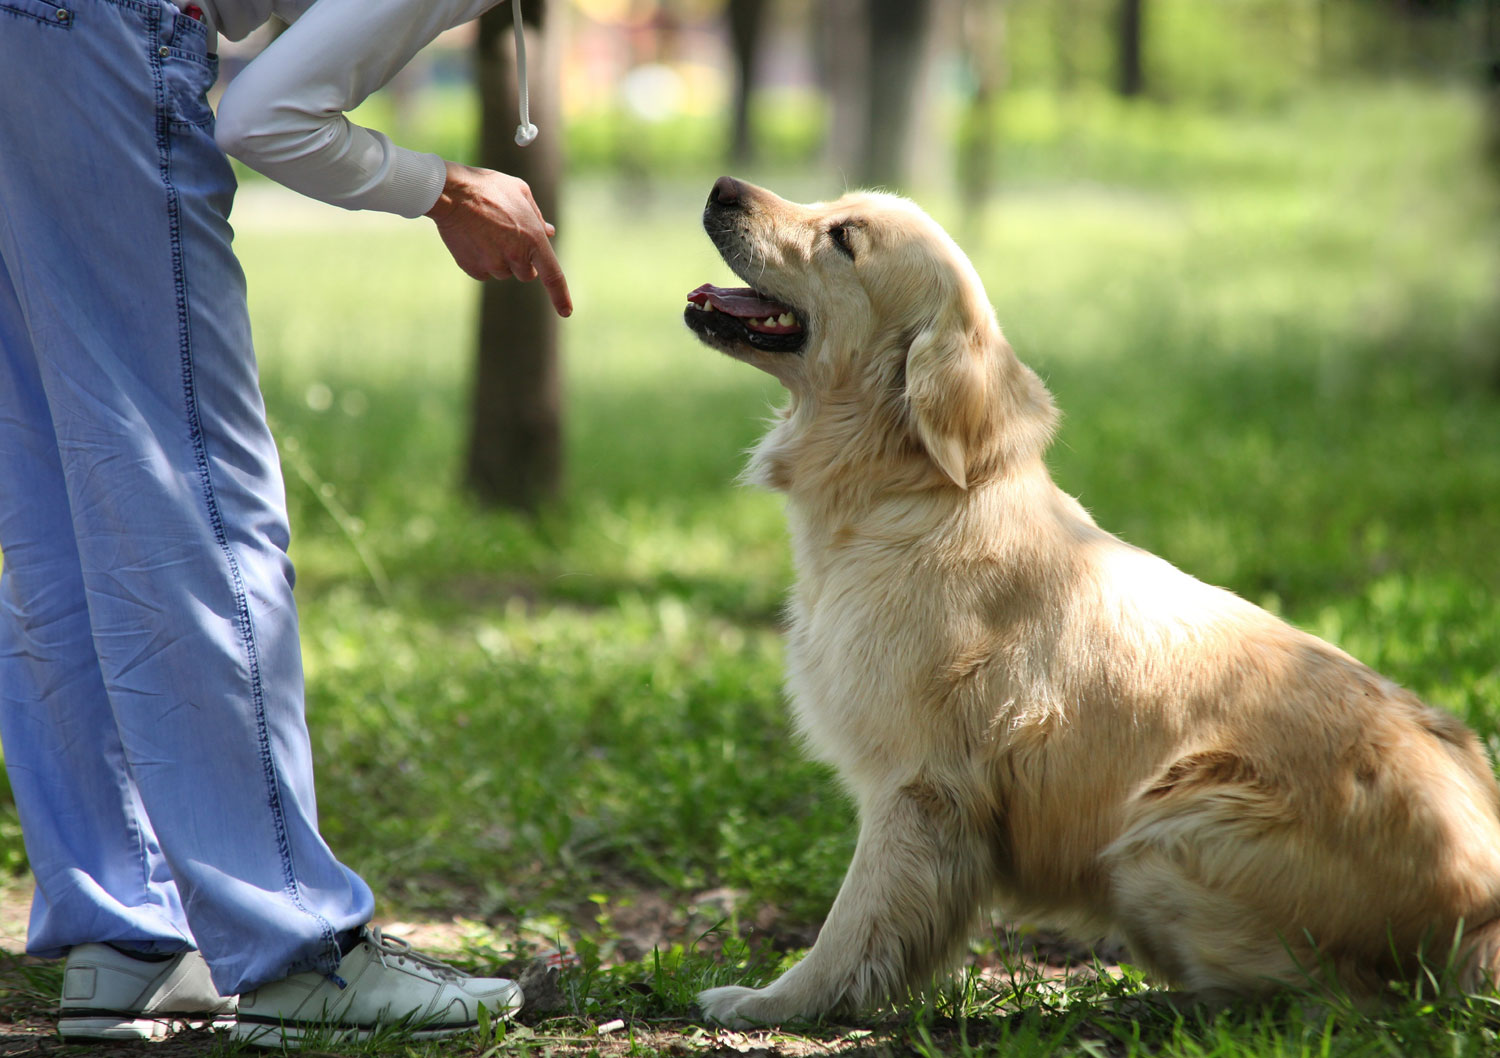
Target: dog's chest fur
{"points": [[870, 627]]}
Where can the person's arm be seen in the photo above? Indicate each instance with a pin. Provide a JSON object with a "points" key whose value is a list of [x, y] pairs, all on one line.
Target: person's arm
{"points": [[284, 115]]}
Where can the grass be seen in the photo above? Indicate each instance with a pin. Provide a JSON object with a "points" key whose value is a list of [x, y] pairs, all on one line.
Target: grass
{"points": [[1276, 344]]}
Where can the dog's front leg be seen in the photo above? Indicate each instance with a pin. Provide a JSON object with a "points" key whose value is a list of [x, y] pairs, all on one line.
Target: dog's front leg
{"points": [[911, 894]]}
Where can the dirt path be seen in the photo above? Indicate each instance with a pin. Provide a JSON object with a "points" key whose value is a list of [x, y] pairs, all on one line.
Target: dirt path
{"points": [[29, 989], [15, 905]]}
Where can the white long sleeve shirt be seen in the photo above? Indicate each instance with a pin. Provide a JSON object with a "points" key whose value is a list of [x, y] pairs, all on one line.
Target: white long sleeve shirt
{"points": [[284, 114]]}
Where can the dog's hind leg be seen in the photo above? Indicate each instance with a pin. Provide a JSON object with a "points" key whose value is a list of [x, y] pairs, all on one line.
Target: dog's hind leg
{"points": [[1479, 966], [1199, 937], [1190, 877], [1222, 886], [907, 903]]}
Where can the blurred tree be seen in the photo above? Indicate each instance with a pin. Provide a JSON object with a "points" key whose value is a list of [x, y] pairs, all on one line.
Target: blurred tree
{"points": [[747, 19], [515, 439], [888, 84], [982, 40], [1130, 71], [898, 36], [1443, 8], [1491, 75], [841, 49], [1063, 20], [874, 56]]}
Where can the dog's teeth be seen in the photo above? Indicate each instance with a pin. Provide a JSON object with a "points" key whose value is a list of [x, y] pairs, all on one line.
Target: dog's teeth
{"points": [[786, 319], [770, 321]]}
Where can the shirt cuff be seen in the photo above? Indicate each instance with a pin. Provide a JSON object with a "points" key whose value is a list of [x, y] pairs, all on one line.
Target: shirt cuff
{"points": [[412, 186]]}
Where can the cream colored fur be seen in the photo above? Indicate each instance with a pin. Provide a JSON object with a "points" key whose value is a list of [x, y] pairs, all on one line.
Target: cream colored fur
{"points": [[1029, 711]]}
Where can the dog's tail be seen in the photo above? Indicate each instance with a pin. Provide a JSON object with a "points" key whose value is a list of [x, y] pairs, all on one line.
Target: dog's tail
{"points": [[1479, 959]]}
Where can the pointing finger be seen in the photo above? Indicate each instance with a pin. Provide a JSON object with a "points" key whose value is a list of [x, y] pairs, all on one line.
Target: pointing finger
{"points": [[551, 274]]}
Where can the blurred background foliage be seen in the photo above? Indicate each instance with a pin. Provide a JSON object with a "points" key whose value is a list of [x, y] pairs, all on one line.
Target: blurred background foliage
{"points": [[651, 81]]}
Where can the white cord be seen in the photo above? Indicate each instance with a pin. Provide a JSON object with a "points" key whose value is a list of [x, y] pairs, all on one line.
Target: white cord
{"points": [[525, 131]]}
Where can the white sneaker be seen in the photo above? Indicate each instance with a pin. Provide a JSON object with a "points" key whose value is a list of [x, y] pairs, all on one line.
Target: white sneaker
{"points": [[381, 984], [110, 995]]}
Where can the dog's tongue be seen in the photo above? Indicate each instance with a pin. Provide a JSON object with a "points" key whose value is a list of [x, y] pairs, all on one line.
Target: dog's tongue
{"points": [[737, 301]]}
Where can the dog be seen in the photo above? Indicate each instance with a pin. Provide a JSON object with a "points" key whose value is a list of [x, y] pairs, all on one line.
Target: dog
{"points": [[1027, 710]]}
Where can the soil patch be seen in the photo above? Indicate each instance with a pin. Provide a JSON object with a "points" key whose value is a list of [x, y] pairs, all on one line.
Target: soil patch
{"points": [[638, 922]]}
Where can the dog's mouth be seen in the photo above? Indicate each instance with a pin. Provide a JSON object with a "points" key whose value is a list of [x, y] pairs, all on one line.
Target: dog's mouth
{"points": [[743, 316]]}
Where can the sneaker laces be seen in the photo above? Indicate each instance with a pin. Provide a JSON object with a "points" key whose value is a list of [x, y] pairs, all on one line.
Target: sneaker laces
{"points": [[402, 951]]}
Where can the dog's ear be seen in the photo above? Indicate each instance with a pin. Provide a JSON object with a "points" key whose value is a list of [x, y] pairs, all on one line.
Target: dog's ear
{"points": [[948, 380]]}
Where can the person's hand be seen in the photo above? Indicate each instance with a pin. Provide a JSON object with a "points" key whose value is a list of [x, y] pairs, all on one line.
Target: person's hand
{"points": [[494, 230]]}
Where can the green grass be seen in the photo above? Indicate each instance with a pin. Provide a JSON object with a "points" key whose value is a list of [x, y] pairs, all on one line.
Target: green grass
{"points": [[1276, 344]]}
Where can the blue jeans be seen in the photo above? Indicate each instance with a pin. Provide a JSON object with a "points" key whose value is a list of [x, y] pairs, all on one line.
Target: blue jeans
{"points": [[151, 697]]}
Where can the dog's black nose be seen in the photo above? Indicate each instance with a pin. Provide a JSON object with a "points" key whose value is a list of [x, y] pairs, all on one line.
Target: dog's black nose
{"points": [[726, 192]]}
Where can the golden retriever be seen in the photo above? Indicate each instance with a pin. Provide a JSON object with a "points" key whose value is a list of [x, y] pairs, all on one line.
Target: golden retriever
{"points": [[1029, 711]]}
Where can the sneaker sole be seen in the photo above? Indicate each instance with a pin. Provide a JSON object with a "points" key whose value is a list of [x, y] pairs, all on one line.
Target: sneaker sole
{"points": [[265, 1031], [293, 1036], [117, 1027]]}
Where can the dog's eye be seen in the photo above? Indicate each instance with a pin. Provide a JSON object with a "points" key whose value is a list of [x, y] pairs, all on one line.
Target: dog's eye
{"points": [[839, 233]]}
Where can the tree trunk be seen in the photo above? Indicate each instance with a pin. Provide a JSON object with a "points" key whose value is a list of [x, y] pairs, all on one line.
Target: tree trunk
{"points": [[515, 441], [1490, 67], [842, 27], [747, 20], [1064, 25], [983, 43], [1491, 86], [1131, 73], [898, 31]]}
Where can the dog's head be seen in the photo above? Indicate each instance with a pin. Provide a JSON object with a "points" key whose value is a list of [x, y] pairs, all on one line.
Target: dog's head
{"points": [[878, 326]]}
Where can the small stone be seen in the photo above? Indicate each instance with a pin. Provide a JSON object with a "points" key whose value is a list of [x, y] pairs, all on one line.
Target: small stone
{"points": [[541, 987]]}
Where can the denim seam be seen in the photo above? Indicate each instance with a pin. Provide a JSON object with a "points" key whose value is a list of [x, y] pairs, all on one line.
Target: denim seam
{"points": [[200, 455], [16, 12], [145, 7], [125, 784], [188, 56], [188, 124]]}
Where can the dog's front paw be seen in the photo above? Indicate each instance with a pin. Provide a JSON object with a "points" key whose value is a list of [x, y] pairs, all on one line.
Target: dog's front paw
{"points": [[740, 1008]]}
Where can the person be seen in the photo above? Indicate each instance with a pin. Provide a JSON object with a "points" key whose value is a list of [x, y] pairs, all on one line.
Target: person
{"points": [[151, 692]]}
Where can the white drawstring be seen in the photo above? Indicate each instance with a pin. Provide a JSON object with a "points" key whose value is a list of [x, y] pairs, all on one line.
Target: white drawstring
{"points": [[525, 131]]}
